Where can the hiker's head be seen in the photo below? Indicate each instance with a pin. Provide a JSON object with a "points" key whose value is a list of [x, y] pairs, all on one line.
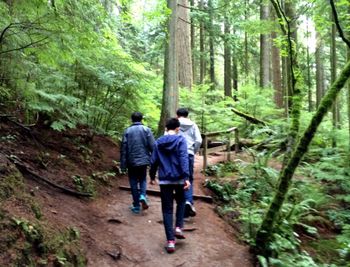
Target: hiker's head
{"points": [[182, 112], [136, 116], [172, 124]]}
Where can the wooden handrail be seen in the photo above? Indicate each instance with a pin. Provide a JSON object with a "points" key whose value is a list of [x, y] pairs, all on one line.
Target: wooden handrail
{"points": [[220, 132], [228, 147]]}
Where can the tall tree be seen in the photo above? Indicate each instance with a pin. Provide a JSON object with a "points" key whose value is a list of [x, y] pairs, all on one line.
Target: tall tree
{"points": [[320, 80], [202, 57], [308, 66], [193, 45], [333, 60], [211, 44], [183, 37], [276, 72], [227, 58], [264, 48], [170, 85], [246, 42]]}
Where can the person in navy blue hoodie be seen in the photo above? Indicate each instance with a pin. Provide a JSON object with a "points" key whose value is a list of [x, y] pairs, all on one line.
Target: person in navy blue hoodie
{"points": [[170, 158]]}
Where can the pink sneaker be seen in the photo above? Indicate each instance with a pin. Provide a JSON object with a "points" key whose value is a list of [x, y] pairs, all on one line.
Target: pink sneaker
{"points": [[170, 247], [179, 234]]}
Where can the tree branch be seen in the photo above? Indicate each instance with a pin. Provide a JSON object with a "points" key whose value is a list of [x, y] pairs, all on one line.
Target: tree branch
{"points": [[336, 21], [23, 47], [248, 117], [4, 31]]}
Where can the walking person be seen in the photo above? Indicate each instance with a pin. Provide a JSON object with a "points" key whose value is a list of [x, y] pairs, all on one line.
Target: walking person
{"points": [[135, 156], [170, 158], [190, 131]]}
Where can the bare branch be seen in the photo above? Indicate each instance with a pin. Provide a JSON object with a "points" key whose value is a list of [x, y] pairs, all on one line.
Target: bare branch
{"points": [[336, 21], [4, 31], [24, 47]]}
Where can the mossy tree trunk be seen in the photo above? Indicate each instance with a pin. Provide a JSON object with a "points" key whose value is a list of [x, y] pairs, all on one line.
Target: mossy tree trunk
{"points": [[292, 160], [288, 28], [265, 233]]}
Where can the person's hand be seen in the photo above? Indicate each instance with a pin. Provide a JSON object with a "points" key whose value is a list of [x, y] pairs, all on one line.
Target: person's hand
{"points": [[152, 182], [187, 185]]}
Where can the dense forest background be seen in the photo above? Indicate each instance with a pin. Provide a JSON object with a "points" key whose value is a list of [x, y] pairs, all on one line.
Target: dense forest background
{"points": [[277, 70]]}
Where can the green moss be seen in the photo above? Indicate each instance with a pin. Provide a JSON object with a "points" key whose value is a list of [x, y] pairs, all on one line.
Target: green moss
{"points": [[9, 183]]}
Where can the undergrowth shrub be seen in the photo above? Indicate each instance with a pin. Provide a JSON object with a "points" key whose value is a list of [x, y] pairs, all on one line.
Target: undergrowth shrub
{"points": [[246, 198]]}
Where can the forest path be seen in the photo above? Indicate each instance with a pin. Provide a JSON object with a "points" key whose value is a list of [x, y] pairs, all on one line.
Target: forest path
{"points": [[113, 236], [140, 239]]}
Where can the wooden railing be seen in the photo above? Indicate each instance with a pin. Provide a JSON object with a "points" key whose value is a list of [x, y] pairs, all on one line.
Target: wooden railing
{"points": [[226, 146]]}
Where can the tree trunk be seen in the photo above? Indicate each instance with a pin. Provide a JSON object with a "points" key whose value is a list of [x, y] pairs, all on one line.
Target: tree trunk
{"points": [[170, 85], [183, 37], [227, 60], [276, 73], [290, 13], [333, 60], [201, 46], [308, 63], [211, 45], [264, 48], [265, 233], [193, 47], [246, 54], [319, 69]]}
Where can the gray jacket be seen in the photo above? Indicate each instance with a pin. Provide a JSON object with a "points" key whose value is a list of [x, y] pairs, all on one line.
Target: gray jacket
{"points": [[137, 146], [191, 132]]}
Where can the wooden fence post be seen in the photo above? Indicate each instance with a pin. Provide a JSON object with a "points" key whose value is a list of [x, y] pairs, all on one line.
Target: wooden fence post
{"points": [[236, 140], [229, 147], [205, 147]]}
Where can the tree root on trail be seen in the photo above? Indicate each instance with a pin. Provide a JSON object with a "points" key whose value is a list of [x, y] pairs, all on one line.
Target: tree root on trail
{"points": [[25, 171], [207, 199]]}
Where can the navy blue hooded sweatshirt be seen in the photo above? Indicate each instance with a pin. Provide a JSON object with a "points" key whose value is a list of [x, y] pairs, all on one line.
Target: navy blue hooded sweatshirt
{"points": [[170, 157]]}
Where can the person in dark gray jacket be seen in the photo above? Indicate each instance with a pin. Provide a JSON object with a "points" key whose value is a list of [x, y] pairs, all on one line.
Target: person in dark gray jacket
{"points": [[135, 155]]}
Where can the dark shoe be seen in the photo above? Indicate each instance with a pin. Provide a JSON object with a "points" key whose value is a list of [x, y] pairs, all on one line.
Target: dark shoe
{"points": [[189, 209], [179, 234], [144, 202], [170, 247]]}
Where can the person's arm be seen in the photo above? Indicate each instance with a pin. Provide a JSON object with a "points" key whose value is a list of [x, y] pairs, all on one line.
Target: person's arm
{"points": [[197, 139], [150, 140], [183, 156], [123, 153], [154, 164]]}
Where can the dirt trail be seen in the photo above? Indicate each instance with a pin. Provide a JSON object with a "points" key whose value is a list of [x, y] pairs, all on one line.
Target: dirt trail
{"points": [[109, 230]]}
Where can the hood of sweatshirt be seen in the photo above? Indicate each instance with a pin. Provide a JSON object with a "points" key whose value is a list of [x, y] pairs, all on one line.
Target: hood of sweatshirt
{"points": [[185, 124], [168, 143]]}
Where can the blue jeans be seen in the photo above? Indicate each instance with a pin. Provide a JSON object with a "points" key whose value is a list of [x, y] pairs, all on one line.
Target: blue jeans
{"points": [[167, 196], [189, 192], [138, 183]]}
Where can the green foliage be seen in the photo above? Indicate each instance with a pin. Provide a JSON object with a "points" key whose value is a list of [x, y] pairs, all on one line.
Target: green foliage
{"points": [[84, 184], [77, 72], [43, 247], [246, 198], [104, 177], [221, 169]]}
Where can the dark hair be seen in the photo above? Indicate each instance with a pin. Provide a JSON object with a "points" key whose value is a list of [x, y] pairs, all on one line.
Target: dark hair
{"points": [[182, 112], [136, 116], [172, 124]]}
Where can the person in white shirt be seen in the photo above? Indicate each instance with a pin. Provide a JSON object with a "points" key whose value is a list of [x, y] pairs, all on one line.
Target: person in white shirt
{"points": [[190, 131]]}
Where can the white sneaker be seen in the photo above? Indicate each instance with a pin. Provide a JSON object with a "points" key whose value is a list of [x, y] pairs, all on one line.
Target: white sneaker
{"points": [[189, 209]]}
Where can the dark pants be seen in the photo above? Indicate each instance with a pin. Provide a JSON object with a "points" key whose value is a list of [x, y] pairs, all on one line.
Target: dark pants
{"points": [[138, 183], [168, 193], [189, 192]]}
